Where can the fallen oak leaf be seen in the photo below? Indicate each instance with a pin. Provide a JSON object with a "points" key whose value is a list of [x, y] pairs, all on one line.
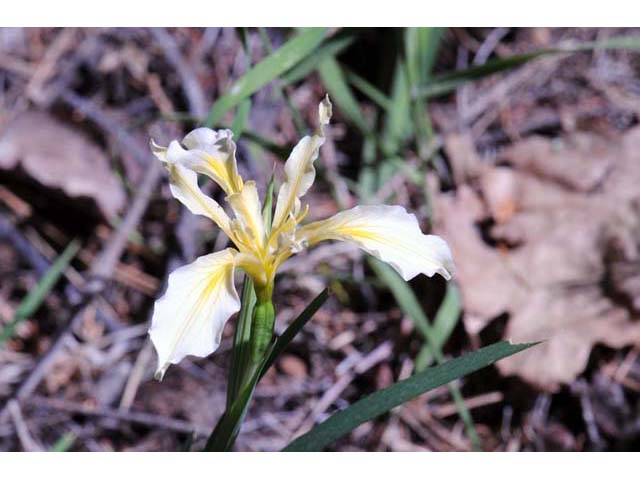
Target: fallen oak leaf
{"points": [[57, 156], [544, 257]]}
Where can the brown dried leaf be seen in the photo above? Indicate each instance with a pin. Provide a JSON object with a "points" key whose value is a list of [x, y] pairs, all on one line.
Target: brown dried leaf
{"points": [[57, 156], [559, 251]]}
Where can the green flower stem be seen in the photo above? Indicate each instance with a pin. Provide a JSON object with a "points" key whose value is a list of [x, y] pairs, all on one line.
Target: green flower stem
{"points": [[262, 324]]}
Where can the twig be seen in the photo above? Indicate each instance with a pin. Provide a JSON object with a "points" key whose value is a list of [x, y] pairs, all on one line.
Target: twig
{"points": [[149, 419], [374, 357], [581, 389], [28, 443], [136, 376], [126, 142], [489, 44], [23, 246], [190, 84], [47, 67], [485, 399]]}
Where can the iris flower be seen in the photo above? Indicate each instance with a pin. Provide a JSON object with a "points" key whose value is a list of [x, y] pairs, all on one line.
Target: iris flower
{"points": [[201, 297]]}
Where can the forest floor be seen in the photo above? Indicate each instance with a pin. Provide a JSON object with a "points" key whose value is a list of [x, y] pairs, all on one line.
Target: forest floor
{"points": [[530, 173]]}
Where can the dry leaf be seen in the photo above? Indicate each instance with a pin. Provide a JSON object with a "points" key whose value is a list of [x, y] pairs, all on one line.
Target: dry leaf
{"points": [[559, 250], [57, 156]]}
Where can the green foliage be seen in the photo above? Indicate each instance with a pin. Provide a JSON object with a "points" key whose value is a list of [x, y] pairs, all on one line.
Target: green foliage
{"points": [[283, 59], [435, 338], [447, 83], [64, 443], [334, 80], [32, 301], [225, 432], [384, 400]]}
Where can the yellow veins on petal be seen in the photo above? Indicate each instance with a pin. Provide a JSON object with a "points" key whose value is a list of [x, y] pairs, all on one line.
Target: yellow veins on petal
{"points": [[212, 153], [192, 193], [390, 234], [204, 296], [216, 169], [190, 316]]}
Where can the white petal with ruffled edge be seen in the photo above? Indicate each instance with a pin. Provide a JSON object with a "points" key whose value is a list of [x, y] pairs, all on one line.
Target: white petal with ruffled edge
{"points": [[190, 317], [183, 183], [390, 234], [299, 170], [211, 153]]}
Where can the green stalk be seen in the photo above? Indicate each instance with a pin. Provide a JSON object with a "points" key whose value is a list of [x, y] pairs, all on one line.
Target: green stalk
{"points": [[262, 324]]}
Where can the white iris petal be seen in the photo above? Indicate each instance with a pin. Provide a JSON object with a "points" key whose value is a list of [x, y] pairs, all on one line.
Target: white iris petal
{"points": [[388, 233], [190, 317], [299, 170]]}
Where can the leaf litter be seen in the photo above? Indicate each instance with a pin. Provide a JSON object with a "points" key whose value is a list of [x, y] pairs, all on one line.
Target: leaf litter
{"points": [[549, 236]]}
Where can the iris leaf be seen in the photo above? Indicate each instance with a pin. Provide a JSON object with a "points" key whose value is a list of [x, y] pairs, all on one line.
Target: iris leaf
{"points": [[382, 401]]}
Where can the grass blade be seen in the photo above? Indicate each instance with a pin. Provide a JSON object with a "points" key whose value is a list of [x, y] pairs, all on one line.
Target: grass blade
{"points": [[329, 49], [382, 401], [283, 59], [447, 83], [372, 92], [64, 443], [443, 324], [421, 47], [398, 127], [36, 296], [282, 92], [409, 304], [241, 119], [294, 328]]}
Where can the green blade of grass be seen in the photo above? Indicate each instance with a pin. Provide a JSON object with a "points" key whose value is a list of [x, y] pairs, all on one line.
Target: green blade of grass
{"points": [[447, 83], [241, 119], [283, 59], [294, 328], [421, 47], [282, 92], [267, 210], [375, 95], [64, 443], [329, 49], [409, 304], [36, 296], [228, 427], [368, 181], [443, 324], [384, 400], [398, 127]]}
